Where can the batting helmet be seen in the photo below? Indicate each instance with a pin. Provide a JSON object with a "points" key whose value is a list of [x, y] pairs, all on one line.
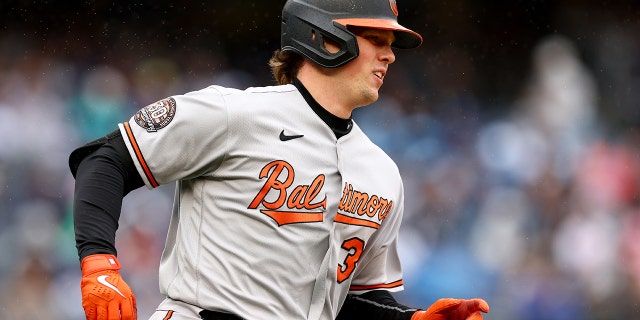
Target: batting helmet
{"points": [[305, 24]]}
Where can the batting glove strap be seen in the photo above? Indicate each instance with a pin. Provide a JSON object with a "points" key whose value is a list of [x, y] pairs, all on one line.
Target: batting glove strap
{"points": [[453, 309], [99, 262]]}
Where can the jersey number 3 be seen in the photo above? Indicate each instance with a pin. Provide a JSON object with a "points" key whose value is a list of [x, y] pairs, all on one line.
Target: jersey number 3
{"points": [[354, 247]]}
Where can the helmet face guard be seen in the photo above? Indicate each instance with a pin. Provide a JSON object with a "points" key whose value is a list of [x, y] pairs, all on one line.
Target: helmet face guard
{"points": [[306, 23]]}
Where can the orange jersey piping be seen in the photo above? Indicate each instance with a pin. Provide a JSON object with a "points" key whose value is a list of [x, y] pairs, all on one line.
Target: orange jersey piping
{"points": [[139, 157]]}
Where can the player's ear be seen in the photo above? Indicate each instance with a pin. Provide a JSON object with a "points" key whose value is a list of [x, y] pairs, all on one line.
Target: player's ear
{"points": [[331, 46]]}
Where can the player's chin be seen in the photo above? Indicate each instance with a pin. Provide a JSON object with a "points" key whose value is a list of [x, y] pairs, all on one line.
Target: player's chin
{"points": [[369, 94], [373, 95], [366, 99]]}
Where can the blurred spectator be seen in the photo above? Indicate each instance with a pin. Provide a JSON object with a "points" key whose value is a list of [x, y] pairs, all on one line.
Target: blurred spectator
{"points": [[103, 99]]}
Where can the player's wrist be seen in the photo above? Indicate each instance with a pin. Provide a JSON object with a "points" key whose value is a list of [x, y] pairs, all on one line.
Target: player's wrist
{"points": [[99, 262]]}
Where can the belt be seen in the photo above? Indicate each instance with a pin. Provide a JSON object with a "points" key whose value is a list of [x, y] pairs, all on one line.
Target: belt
{"points": [[216, 315]]}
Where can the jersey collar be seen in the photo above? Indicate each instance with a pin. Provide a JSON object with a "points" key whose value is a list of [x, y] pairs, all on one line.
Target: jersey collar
{"points": [[339, 126]]}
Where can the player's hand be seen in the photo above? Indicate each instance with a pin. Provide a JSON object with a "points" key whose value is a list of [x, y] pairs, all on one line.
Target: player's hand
{"points": [[453, 309], [105, 295]]}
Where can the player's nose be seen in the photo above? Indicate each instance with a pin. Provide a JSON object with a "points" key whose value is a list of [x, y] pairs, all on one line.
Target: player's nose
{"points": [[387, 55]]}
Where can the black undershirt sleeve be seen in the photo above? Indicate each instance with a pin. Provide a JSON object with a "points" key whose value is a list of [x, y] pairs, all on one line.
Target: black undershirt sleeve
{"points": [[374, 305], [103, 178]]}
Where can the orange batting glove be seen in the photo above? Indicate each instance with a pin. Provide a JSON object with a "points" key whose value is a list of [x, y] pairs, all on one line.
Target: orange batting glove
{"points": [[105, 295], [453, 309]]}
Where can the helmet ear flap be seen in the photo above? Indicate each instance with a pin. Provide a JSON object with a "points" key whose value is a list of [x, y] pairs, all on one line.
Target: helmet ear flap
{"points": [[304, 32]]}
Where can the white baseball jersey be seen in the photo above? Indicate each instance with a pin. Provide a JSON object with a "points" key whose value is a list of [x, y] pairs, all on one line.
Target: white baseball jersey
{"points": [[274, 217]]}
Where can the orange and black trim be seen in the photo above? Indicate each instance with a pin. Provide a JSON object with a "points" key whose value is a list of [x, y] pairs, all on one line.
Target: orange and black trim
{"points": [[139, 156], [168, 315], [395, 284]]}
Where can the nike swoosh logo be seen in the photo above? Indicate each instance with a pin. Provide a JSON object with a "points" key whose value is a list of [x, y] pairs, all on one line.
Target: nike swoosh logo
{"points": [[103, 279], [284, 137]]}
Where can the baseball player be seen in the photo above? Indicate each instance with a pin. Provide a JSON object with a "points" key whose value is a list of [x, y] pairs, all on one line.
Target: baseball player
{"points": [[283, 209]]}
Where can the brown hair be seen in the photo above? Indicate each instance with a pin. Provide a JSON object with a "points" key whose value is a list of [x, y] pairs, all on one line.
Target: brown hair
{"points": [[285, 65]]}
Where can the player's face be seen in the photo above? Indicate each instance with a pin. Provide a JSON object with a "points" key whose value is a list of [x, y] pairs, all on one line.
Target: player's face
{"points": [[362, 77]]}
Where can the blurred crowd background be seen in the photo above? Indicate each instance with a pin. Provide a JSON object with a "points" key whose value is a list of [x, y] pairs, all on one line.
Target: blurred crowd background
{"points": [[515, 126]]}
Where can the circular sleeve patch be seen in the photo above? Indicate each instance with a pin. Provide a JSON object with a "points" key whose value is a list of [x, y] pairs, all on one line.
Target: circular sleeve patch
{"points": [[156, 115]]}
